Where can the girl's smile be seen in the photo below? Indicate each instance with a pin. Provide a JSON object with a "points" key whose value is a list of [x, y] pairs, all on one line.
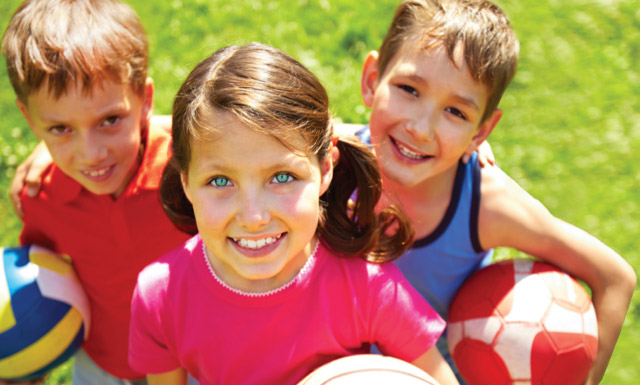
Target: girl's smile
{"points": [[256, 202], [256, 247]]}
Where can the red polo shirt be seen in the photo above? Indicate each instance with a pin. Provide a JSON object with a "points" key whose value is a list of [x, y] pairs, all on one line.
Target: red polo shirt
{"points": [[109, 242]]}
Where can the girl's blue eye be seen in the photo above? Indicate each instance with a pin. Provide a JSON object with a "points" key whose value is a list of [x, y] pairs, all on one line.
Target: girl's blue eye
{"points": [[282, 178], [220, 181]]}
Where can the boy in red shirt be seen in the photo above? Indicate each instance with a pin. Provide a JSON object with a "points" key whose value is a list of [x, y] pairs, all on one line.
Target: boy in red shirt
{"points": [[79, 70]]}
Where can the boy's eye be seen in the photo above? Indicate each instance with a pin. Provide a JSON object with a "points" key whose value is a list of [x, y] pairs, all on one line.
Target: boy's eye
{"points": [[282, 178], [111, 120], [220, 181], [58, 130], [408, 89], [456, 112]]}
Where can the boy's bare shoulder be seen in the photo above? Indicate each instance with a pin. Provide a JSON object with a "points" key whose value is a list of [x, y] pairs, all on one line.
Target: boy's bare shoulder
{"points": [[505, 208]]}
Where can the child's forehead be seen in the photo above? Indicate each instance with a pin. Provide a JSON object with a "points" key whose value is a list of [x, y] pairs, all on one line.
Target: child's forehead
{"points": [[78, 101], [100, 88], [421, 54], [215, 124]]}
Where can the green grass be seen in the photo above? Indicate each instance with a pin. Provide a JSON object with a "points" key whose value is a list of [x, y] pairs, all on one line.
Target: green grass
{"points": [[570, 134]]}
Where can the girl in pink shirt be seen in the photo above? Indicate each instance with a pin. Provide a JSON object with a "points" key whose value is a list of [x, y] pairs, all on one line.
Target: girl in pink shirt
{"points": [[271, 286]]}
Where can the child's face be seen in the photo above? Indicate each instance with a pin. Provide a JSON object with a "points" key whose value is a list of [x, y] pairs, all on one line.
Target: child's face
{"points": [[256, 204], [425, 114], [94, 138]]}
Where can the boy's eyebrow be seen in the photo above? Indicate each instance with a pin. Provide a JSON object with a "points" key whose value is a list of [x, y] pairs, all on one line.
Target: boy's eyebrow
{"points": [[116, 107], [469, 101]]}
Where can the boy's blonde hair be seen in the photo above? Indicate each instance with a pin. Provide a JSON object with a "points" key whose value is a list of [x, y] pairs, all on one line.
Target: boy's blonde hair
{"points": [[490, 45], [63, 42]]}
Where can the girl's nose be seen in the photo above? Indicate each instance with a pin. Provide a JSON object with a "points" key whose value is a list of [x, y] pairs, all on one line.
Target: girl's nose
{"points": [[253, 212]]}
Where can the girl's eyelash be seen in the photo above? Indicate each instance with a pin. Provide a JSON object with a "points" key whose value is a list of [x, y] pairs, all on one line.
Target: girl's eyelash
{"points": [[220, 181], [288, 177]]}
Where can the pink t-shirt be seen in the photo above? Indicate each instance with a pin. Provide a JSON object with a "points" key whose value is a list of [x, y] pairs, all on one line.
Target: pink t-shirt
{"points": [[183, 316]]}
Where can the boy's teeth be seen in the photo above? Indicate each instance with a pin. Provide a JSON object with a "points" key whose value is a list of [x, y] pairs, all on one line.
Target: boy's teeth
{"points": [[251, 244], [408, 153], [96, 173]]}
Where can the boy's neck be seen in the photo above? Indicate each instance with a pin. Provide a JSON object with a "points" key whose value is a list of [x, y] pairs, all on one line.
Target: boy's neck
{"points": [[425, 204]]}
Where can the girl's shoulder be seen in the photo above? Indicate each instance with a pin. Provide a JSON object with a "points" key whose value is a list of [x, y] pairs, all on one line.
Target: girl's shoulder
{"points": [[358, 271], [155, 276]]}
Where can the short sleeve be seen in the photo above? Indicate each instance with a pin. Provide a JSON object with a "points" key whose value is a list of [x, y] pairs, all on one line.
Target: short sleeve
{"points": [[150, 350], [404, 325]]}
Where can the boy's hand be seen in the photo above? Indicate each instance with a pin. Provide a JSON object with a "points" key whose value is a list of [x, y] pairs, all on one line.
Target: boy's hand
{"points": [[485, 155], [29, 173]]}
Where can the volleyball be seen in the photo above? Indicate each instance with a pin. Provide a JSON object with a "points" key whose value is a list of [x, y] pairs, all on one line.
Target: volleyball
{"points": [[44, 312], [522, 321], [368, 369]]}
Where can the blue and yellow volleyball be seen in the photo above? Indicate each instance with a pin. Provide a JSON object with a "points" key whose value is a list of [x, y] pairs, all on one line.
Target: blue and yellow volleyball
{"points": [[44, 312]]}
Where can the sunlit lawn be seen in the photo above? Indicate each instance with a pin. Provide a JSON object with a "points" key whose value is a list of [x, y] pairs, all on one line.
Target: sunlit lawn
{"points": [[570, 134]]}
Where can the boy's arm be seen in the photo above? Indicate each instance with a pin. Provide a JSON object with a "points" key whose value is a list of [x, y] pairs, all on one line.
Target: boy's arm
{"points": [[434, 364], [174, 377], [29, 173], [510, 217]]}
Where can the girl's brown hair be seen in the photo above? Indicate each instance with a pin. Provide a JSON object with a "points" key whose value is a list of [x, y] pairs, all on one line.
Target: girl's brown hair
{"points": [[270, 92]]}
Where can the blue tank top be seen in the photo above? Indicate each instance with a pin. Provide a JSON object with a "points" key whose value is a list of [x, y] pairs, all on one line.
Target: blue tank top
{"points": [[439, 263]]}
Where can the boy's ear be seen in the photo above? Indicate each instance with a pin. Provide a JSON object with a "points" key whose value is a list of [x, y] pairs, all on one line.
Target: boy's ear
{"points": [[484, 131], [369, 79], [23, 109], [185, 185], [147, 102]]}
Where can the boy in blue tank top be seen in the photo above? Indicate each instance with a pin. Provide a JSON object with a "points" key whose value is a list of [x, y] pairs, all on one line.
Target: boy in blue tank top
{"points": [[433, 89]]}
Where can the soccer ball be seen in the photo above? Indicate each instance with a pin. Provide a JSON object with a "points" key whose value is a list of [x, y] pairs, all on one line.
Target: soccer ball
{"points": [[44, 313], [522, 322], [368, 369]]}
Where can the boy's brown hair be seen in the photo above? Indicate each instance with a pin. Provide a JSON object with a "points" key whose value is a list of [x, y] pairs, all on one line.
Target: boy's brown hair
{"points": [[61, 42], [490, 45]]}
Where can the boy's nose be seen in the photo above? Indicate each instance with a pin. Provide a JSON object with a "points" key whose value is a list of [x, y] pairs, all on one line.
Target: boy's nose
{"points": [[421, 131], [91, 150]]}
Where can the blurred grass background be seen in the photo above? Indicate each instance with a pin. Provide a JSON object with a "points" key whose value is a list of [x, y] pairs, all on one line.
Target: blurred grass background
{"points": [[570, 134]]}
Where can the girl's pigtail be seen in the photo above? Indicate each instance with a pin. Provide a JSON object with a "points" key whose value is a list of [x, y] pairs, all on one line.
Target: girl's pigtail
{"points": [[175, 202], [351, 225]]}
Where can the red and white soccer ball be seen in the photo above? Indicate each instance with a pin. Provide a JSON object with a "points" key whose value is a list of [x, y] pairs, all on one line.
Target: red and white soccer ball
{"points": [[522, 322]]}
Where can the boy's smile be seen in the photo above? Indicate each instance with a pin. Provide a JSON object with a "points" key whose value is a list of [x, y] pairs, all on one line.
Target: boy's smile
{"points": [[94, 137], [425, 114]]}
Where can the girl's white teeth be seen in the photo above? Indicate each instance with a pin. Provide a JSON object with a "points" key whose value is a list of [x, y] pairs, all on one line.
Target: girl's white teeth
{"points": [[408, 153], [256, 244]]}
